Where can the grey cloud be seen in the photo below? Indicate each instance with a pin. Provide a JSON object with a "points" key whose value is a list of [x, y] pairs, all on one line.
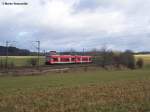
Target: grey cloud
{"points": [[37, 22]]}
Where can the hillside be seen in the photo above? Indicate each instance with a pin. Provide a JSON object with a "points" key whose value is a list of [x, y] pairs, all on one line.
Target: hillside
{"points": [[13, 51]]}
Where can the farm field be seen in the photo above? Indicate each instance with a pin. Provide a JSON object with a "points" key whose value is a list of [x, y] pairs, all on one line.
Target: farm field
{"points": [[21, 60], [91, 91]]}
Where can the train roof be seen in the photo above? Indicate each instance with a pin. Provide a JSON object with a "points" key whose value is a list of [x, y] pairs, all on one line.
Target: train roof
{"points": [[68, 56]]}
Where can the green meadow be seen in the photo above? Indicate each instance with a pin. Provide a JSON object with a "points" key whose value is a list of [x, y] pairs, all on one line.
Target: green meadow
{"points": [[90, 91], [21, 60]]}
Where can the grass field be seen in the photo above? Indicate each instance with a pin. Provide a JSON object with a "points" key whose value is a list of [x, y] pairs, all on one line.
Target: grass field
{"points": [[91, 91], [22, 60]]}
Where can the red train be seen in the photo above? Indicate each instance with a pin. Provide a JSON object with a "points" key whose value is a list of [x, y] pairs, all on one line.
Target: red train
{"points": [[53, 58]]}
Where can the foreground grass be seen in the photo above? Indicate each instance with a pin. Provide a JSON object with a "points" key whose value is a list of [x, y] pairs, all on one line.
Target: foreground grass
{"points": [[130, 96], [91, 91], [72, 78]]}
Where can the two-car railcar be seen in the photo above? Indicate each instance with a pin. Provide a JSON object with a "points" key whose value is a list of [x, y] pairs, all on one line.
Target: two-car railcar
{"points": [[62, 59]]}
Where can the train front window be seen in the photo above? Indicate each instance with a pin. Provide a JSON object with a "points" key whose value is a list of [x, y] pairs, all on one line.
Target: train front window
{"points": [[55, 59]]}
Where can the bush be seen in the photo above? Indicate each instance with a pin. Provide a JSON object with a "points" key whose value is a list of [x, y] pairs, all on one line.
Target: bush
{"points": [[109, 58], [127, 59], [104, 58], [33, 61], [140, 63], [11, 65], [1, 64]]}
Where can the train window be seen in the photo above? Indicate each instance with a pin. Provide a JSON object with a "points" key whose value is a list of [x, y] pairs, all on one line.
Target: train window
{"points": [[85, 59], [55, 59], [72, 59], [64, 59], [78, 59]]}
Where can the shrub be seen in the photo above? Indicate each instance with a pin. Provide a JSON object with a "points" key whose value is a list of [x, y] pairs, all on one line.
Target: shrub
{"points": [[109, 58], [1, 64], [127, 59], [33, 61], [104, 58], [11, 65], [139, 63]]}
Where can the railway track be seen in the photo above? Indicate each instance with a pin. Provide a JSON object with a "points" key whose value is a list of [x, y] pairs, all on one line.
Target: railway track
{"points": [[45, 68], [66, 66]]}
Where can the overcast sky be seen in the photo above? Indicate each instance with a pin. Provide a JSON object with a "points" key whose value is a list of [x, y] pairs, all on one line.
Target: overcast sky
{"points": [[77, 24]]}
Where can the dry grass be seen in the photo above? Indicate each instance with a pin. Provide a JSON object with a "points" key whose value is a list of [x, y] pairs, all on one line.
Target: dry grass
{"points": [[122, 96]]}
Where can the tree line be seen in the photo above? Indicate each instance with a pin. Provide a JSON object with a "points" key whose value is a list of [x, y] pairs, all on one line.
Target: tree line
{"points": [[13, 51], [105, 58]]}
